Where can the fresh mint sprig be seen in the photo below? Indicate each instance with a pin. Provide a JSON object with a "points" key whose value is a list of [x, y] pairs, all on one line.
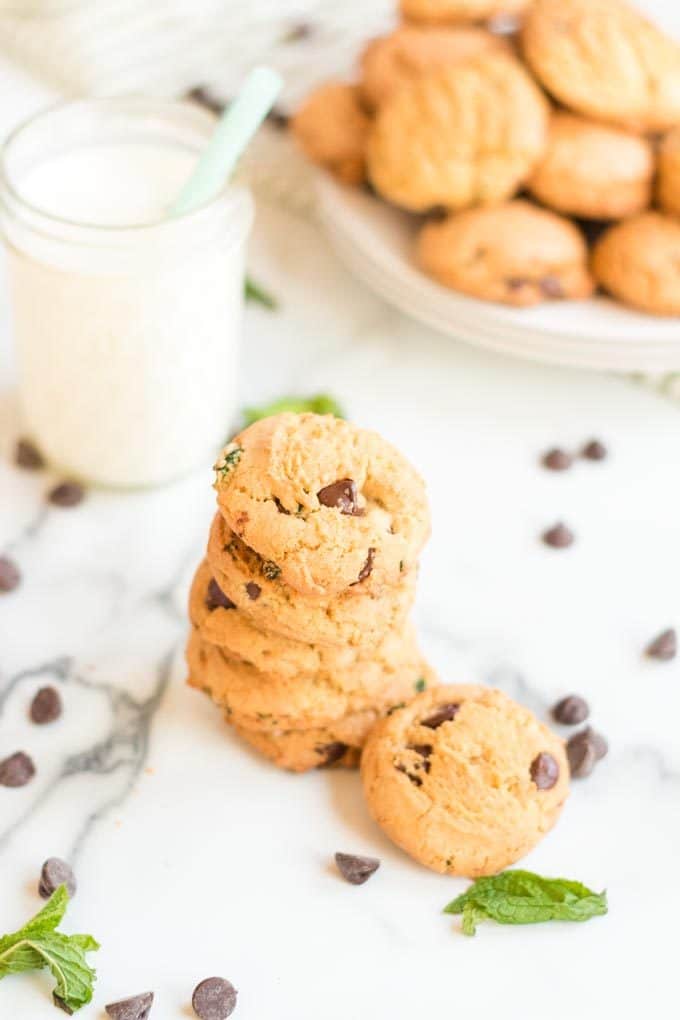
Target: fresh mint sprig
{"points": [[522, 897], [38, 945], [321, 403], [255, 292]]}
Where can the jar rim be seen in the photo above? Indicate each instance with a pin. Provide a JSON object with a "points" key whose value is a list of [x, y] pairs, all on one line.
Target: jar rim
{"points": [[228, 195]]}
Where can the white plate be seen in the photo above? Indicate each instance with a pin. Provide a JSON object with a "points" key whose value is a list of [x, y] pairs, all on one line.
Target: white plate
{"points": [[376, 242]]}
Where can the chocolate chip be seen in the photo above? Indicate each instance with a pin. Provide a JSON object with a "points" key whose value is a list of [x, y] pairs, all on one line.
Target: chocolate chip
{"points": [[571, 710], [280, 507], [66, 494], [600, 745], [27, 455], [206, 99], [559, 536], [10, 576], [54, 873], [557, 460], [278, 119], [17, 770], [302, 30], [594, 450], [331, 752], [253, 591], [136, 1007], [46, 706], [216, 599], [342, 496], [424, 750], [60, 1004], [356, 869], [544, 771], [551, 287], [416, 780], [367, 567], [445, 713], [581, 755], [515, 283], [214, 999], [665, 646]]}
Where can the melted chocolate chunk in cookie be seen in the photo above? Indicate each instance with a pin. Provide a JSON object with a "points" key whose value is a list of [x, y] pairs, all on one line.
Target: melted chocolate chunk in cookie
{"points": [[253, 591], [367, 567], [445, 713], [342, 495], [331, 752], [544, 771], [216, 599]]}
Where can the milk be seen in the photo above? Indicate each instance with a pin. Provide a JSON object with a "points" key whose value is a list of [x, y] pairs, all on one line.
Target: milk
{"points": [[127, 324]]}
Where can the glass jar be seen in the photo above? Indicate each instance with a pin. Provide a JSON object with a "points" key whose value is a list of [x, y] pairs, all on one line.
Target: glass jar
{"points": [[127, 322]]}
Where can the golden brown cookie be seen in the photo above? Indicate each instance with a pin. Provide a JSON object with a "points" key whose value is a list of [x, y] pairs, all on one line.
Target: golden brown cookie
{"points": [[466, 135], [464, 780], [444, 12], [392, 61], [593, 170], [356, 617], [221, 624], [603, 59], [329, 505], [332, 128], [638, 262], [514, 253], [268, 701], [669, 173]]}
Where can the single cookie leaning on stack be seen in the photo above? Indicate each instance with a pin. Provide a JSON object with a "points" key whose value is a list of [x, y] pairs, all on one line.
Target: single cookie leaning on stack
{"points": [[467, 134], [464, 780], [302, 672], [638, 261], [332, 127]]}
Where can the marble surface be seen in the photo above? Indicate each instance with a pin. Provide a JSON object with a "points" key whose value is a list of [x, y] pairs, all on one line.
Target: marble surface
{"points": [[196, 857]]}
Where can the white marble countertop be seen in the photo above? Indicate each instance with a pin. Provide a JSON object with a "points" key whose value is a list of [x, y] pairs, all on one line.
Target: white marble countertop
{"points": [[196, 857]]}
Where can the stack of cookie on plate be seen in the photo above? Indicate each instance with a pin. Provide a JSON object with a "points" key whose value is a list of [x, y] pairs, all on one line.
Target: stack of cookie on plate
{"points": [[299, 612], [543, 149]]}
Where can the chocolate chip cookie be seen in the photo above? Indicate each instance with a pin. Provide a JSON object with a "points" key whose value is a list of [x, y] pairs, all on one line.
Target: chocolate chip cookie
{"points": [[593, 170], [444, 12], [669, 173], [392, 61], [468, 134], [331, 128], [329, 505], [464, 780], [356, 617], [514, 253], [604, 59], [638, 262]]}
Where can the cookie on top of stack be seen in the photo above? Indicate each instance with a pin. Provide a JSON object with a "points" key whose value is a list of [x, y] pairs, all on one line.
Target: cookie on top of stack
{"points": [[299, 612], [459, 111]]}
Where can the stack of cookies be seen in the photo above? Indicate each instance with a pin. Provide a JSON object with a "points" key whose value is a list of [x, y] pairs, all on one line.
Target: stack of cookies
{"points": [[542, 150], [299, 612]]}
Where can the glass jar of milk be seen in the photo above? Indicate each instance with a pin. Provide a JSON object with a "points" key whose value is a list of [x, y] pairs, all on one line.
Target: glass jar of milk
{"points": [[127, 322]]}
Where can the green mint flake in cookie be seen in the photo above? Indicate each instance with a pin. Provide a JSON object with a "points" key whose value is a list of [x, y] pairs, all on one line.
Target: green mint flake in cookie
{"points": [[522, 897], [38, 945], [322, 403], [229, 458]]}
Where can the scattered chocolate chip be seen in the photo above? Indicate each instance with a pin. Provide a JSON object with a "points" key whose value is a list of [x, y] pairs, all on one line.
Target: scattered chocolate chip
{"points": [[416, 780], [46, 706], [253, 591], [600, 745], [214, 999], [445, 713], [17, 770], [343, 496], [571, 711], [278, 119], [216, 599], [27, 455], [356, 869], [60, 1004], [10, 576], [581, 755], [544, 771], [270, 570], [594, 450], [66, 494], [206, 99], [331, 752], [54, 873], [664, 647], [424, 750], [557, 460], [551, 287], [559, 536], [298, 32], [367, 567], [136, 1007]]}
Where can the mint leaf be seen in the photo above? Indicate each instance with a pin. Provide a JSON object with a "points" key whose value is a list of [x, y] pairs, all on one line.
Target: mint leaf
{"points": [[322, 403], [522, 897], [255, 292], [38, 945]]}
